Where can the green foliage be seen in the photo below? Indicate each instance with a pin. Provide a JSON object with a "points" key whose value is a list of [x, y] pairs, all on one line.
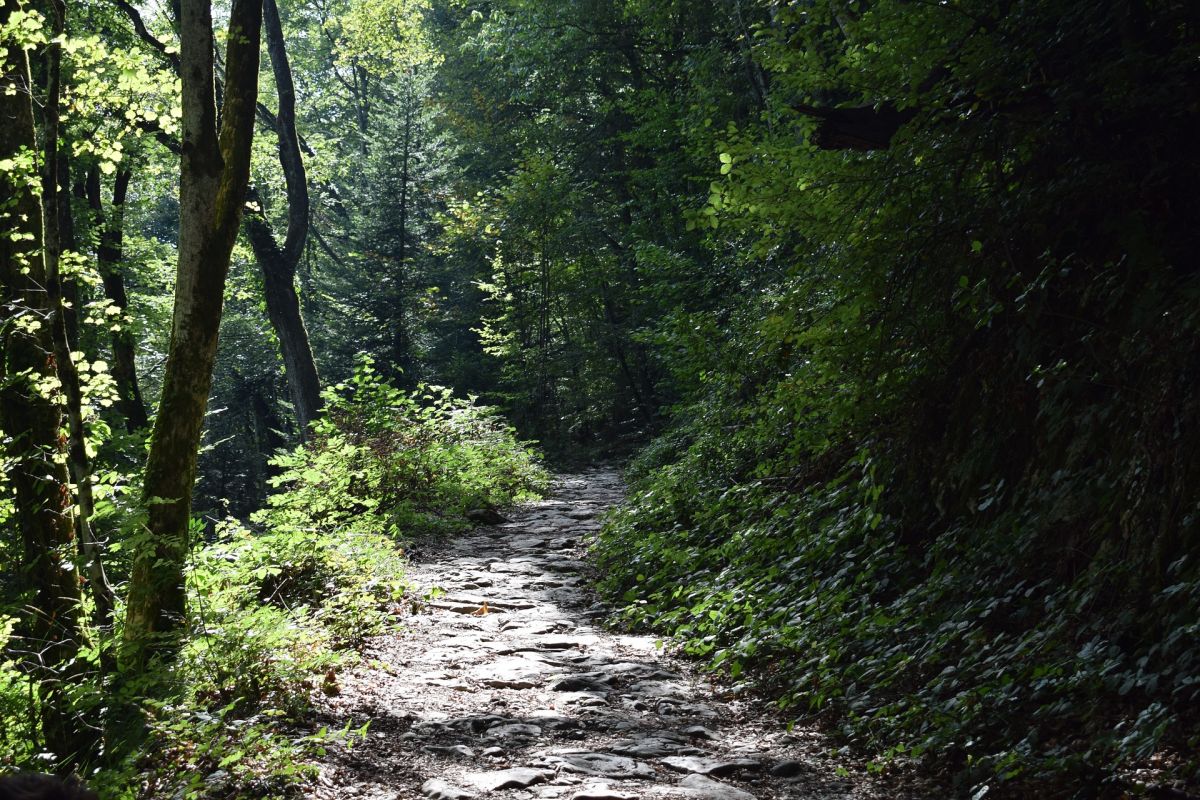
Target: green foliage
{"points": [[16, 709], [404, 463], [926, 388], [278, 609], [565, 213], [203, 753], [933, 475]]}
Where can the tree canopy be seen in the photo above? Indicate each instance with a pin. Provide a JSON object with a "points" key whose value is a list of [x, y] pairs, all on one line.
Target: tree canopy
{"points": [[889, 308]]}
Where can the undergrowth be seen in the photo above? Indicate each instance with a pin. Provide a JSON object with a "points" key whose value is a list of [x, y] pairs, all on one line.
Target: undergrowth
{"points": [[789, 555], [934, 476], [279, 606]]}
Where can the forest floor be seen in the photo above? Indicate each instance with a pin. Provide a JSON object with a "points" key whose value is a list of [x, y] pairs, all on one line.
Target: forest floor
{"points": [[503, 682]]}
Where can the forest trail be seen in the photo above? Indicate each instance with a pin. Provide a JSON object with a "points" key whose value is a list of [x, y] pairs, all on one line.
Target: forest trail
{"points": [[504, 684]]}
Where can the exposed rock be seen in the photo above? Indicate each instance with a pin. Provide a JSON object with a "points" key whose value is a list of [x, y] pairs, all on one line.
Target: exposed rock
{"points": [[453, 751], [708, 766], [468, 609], [437, 789], [516, 730], [605, 765], [703, 788], [485, 516], [552, 720], [602, 792], [659, 689], [653, 746], [564, 642], [467, 688], [499, 604], [670, 708], [699, 732], [511, 672], [790, 769], [516, 778], [536, 627], [477, 724], [585, 682]]}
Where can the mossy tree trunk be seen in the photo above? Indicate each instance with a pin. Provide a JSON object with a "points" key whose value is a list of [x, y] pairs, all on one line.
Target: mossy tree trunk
{"points": [[31, 415], [214, 172]]}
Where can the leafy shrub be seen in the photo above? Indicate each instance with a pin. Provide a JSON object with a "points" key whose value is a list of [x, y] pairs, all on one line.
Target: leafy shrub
{"points": [[222, 753], [17, 732], [386, 461], [278, 608]]}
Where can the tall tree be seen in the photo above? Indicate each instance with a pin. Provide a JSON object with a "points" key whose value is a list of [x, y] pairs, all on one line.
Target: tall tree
{"points": [[30, 412], [278, 262], [55, 210], [214, 173]]}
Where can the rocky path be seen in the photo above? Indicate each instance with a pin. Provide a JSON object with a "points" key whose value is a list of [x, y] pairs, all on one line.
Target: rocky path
{"points": [[504, 684]]}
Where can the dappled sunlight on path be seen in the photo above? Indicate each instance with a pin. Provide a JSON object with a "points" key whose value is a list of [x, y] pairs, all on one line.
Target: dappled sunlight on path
{"points": [[503, 683]]}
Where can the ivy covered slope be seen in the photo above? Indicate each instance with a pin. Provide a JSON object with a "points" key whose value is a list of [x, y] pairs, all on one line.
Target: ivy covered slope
{"points": [[937, 475]]}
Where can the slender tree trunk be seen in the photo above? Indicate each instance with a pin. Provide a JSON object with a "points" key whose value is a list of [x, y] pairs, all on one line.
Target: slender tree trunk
{"points": [[66, 233], [400, 341], [52, 205], [214, 172], [362, 105], [31, 416], [283, 309], [109, 255], [545, 388], [278, 264]]}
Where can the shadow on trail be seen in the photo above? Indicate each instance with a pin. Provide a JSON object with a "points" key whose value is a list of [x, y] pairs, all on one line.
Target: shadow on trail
{"points": [[504, 684]]}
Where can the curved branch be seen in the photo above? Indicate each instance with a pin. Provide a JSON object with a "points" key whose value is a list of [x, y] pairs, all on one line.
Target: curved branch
{"points": [[289, 142], [139, 26]]}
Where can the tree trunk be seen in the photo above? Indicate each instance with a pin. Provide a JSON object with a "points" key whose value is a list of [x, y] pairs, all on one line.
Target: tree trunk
{"points": [[278, 264], [283, 309], [109, 255], [31, 415], [66, 233], [53, 204], [400, 339], [214, 172]]}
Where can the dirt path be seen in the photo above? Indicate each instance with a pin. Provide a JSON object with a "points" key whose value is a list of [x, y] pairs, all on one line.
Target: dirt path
{"points": [[505, 685]]}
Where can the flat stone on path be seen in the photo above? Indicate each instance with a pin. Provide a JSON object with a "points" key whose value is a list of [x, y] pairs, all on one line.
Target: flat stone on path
{"points": [[515, 731], [511, 672], [652, 747], [708, 766], [564, 642], [602, 792], [790, 769], [700, 732], [605, 765], [703, 788], [452, 751], [516, 778], [437, 789]]}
